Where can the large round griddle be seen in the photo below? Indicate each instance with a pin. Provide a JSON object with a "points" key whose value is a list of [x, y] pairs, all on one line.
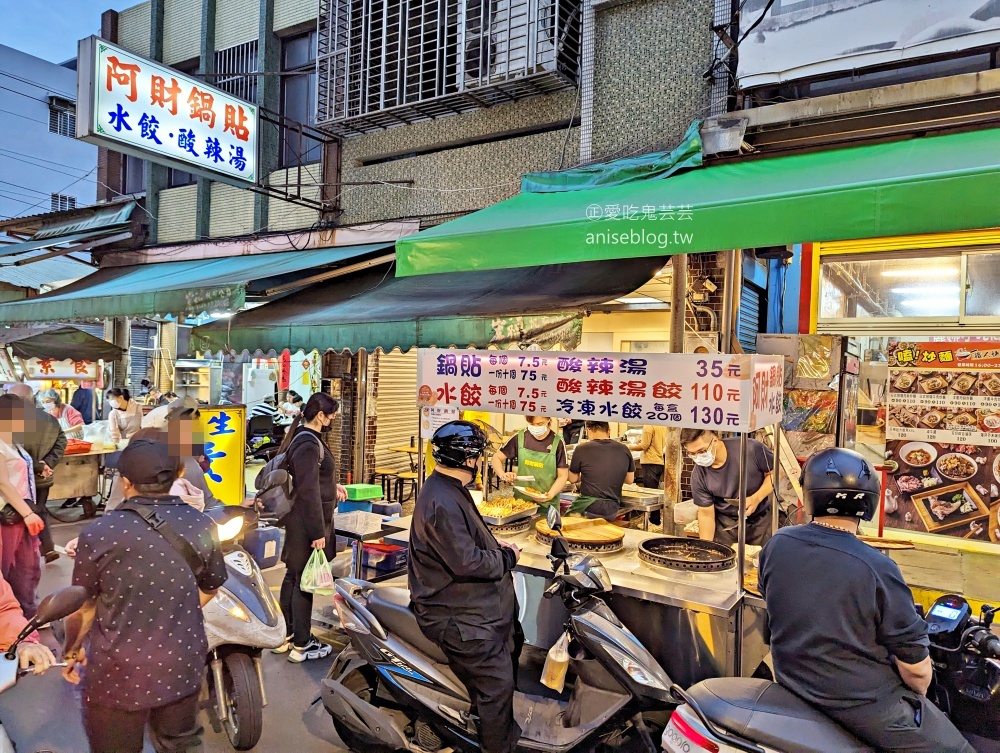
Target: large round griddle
{"points": [[691, 555]]}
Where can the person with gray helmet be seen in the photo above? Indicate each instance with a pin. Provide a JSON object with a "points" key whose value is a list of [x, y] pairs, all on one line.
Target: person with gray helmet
{"points": [[461, 584], [45, 441], [863, 658]]}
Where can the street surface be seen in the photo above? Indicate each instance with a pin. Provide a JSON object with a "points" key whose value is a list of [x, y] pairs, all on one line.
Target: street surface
{"points": [[290, 723]]}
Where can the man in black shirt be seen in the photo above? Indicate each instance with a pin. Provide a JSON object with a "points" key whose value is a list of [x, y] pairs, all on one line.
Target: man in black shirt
{"points": [[601, 466], [845, 635], [715, 486], [146, 658], [461, 585]]}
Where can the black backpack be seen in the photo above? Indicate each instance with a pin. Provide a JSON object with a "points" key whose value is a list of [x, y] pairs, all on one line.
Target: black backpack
{"points": [[277, 499]]}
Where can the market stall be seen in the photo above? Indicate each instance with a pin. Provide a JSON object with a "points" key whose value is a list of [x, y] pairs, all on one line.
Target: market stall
{"points": [[697, 620]]}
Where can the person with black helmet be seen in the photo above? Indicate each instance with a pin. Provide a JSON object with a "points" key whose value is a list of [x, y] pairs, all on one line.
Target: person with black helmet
{"points": [[845, 635], [461, 585]]}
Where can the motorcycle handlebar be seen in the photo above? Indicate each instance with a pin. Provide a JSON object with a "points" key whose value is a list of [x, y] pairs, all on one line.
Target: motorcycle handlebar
{"points": [[552, 590], [988, 645]]}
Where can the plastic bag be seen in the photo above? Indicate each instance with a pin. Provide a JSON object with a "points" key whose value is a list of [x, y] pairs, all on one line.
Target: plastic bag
{"points": [[556, 665], [317, 578]]}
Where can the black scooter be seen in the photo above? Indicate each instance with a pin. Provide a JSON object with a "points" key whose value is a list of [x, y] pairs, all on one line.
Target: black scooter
{"points": [[730, 714], [391, 689]]}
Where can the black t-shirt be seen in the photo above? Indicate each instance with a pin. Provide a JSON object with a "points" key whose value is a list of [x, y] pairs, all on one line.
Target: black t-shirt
{"points": [[602, 465], [838, 611], [537, 445], [147, 645], [713, 486]]}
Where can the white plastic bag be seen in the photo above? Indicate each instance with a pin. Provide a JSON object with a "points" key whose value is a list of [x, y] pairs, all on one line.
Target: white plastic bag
{"points": [[556, 665], [317, 578]]}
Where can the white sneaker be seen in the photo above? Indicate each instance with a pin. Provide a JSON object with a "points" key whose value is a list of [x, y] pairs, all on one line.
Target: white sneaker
{"points": [[284, 648], [314, 649]]}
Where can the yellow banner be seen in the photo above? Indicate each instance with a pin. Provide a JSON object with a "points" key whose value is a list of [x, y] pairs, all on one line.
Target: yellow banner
{"points": [[225, 448]]}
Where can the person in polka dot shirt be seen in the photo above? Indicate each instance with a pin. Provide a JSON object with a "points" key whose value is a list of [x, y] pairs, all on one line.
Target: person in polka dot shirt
{"points": [[146, 655]]}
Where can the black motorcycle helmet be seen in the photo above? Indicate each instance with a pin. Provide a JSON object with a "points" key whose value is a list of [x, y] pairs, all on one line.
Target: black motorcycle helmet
{"points": [[456, 442], [840, 482]]}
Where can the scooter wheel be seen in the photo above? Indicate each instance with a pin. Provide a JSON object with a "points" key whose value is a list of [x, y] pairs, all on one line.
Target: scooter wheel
{"points": [[244, 705]]}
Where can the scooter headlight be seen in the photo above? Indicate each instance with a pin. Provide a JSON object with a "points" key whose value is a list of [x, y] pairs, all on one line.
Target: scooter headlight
{"points": [[634, 670], [228, 603], [231, 528]]}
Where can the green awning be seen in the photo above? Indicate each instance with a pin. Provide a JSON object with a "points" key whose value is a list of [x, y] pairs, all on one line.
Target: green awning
{"points": [[368, 310], [923, 185], [60, 343], [178, 288]]}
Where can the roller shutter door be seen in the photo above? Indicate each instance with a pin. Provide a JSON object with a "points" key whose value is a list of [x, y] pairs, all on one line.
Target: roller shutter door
{"points": [[752, 301], [395, 406], [141, 356]]}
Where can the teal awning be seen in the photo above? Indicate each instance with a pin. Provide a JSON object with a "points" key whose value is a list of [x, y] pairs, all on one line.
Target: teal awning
{"points": [[178, 288], [60, 343], [369, 310], [923, 185]]}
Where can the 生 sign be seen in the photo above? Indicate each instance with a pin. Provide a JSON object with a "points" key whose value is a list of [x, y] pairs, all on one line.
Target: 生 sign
{"points": [[713, 391], [134, 105]]}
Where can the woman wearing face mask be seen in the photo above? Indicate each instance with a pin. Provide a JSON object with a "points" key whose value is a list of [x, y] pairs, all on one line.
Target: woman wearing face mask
{"points": [[69, 418], [541, 454], [125, 418], [309, 525], [19, 525]]}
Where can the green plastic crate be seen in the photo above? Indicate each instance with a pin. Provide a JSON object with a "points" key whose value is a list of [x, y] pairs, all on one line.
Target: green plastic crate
{"points": [[363, 492]]}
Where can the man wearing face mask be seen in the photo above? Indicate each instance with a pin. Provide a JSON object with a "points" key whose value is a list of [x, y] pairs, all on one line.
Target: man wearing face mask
{"points": [[461, 587], [715, 486]]}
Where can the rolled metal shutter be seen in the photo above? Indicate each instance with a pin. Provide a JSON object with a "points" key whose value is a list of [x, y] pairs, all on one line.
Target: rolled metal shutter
{"points": [[141, 355], [397, 417], [751, 299], [97, 330]]}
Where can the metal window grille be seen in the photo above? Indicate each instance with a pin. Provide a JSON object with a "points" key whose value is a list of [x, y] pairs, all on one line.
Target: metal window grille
{"points": [[60, 202], [391, 62], [62, 121], [231, 64], [725, 11]]}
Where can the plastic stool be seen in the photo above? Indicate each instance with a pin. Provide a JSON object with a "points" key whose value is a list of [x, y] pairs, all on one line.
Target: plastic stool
{"points": [[385, 477]]}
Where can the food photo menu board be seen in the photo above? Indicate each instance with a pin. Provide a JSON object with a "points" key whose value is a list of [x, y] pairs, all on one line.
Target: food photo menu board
{"points": [[943, 438]]}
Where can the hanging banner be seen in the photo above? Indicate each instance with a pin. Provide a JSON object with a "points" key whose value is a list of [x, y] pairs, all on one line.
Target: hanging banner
{"points": [[726, 392], [943, 438], [284, 370], [225, 447], [131, 104], [50, 368], [7, 371]]}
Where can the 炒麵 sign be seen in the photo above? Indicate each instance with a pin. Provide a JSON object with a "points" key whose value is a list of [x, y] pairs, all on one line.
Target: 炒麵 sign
{"points": [[712, 391], [134, 105]]}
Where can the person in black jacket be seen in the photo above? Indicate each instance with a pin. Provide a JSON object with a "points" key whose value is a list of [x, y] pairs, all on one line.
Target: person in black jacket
{"points": [[309, 525], [461, 585]]}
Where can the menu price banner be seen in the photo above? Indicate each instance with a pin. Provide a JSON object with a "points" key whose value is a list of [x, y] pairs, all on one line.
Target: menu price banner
{"points": [[943, 438], [738, 393]]}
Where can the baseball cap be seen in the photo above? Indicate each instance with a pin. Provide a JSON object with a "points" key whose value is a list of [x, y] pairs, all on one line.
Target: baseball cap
{"points": [[145, 461]]}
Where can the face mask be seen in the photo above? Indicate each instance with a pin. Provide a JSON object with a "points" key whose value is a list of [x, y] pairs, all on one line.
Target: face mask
{"points": [[50, 407], [538, 431], [115, 403], [706, 458]]}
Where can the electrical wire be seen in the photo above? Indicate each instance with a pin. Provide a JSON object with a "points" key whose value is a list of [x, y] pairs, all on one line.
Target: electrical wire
{"points": [[65, 188]]}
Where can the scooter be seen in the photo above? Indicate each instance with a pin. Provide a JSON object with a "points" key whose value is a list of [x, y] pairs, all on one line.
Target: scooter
{"points": [[241, 621], [262, 440], [53, 607], [724, 715], [391, 689]]}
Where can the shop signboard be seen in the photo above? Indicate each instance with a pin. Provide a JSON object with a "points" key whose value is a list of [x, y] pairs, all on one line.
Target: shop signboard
{"points": [[132, 104], [225, 447], [37, 369], [943, 438], [7, 371], [433, 418], [736, 393]]}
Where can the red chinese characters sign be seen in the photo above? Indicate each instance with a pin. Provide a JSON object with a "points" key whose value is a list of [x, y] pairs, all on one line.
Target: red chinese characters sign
{"points": [[50, 368], [145, 107], [726, 392]]}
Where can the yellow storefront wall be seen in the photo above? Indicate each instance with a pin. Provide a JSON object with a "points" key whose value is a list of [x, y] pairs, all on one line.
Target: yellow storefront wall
{"points": [[939, 564]]}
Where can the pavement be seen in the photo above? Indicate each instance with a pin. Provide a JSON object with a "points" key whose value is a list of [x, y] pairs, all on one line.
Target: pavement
{"points": [[291, 723]]}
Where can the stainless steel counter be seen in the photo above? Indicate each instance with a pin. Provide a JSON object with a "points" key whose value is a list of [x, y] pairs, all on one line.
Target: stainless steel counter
{"points": [[710, 593]]}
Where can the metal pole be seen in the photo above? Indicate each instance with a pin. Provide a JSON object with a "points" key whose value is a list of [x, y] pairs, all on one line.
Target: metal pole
{"points": [[728, 302], [777, 479], [740, 556], [361, 418], [420, 451], [673, 462]]}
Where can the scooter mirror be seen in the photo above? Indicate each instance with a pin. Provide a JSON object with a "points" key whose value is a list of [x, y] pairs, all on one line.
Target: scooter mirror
{"points": [[554, 518], [273, 480], [59, 604]]}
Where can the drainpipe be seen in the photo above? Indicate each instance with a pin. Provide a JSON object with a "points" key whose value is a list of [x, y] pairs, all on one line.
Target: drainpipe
{"points": [[587, 31], [732, 286]]}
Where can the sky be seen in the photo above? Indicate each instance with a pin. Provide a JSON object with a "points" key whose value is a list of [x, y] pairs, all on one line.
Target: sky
{"points": [[49, 29]]}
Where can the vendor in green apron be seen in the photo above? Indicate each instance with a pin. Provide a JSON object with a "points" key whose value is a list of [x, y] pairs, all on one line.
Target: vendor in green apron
{"points": [[541, 454]]}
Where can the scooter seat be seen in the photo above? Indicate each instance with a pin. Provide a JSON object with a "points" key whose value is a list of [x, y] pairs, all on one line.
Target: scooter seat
{"points": [[391, 607], [769, 715]]}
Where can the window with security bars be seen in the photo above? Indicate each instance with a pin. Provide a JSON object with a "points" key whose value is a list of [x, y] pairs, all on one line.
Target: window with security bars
{"points": [[60, 202], [62, 120], [232, 66], [396, 62]]}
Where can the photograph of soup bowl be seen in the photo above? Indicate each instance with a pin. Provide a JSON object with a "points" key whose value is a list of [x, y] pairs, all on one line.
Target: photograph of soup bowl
{"points": [[917, 454]]}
